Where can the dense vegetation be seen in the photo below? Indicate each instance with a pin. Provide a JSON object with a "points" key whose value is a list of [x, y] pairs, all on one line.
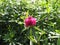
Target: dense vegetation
{"points": [[13, 14]]}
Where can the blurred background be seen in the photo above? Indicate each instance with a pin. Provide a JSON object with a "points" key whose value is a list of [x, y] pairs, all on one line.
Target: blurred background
{"points": [[13, 13]]}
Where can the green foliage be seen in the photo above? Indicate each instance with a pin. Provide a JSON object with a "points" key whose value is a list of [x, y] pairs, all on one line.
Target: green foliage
{"points": [[13, 13]]}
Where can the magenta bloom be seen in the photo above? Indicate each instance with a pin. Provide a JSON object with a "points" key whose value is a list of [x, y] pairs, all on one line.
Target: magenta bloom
{"points": [[30, 21]]}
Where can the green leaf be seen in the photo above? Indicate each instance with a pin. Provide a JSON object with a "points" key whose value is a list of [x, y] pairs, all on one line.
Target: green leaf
{"points": [[57, 31], [38, 29], [58, 41], [32, 39]]}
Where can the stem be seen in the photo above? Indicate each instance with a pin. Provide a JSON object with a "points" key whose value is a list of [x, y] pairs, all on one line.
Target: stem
{"points": [[31, 43]]}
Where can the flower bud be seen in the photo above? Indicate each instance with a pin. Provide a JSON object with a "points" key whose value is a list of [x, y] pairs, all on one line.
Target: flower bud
{"points": [[30, 21]]}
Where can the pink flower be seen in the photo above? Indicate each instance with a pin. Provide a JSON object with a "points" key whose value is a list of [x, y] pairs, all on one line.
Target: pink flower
{"points": [[30, 21]]}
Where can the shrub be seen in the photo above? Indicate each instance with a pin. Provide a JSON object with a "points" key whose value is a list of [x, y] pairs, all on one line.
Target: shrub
{"points": [[13, 13]]}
